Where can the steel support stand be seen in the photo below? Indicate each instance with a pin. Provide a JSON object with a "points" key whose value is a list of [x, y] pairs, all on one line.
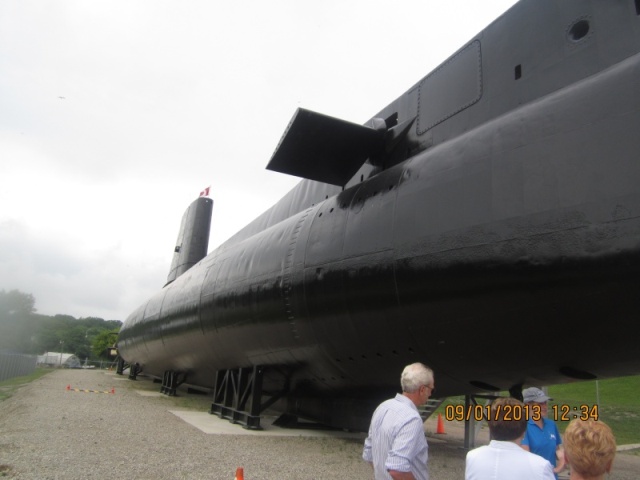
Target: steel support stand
{"points": [[471, 428], [120, 366], [237, 394], [134, 370], [171, 380], [469, 425]]}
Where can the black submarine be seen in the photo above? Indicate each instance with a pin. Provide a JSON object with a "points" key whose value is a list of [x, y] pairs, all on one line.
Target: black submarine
{"points": [[486, 223]]}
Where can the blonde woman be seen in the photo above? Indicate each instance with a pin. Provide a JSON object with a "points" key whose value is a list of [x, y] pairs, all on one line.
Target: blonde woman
{"points": [[589, 449]]}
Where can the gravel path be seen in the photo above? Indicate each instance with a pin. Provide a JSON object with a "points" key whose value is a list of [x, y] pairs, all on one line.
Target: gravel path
{"points": [[47, 432]]}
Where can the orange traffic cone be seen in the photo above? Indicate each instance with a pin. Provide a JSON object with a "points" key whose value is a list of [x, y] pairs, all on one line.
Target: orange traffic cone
{"points": [[113, 390], [440, 428], [68, 387], [239, 473]]}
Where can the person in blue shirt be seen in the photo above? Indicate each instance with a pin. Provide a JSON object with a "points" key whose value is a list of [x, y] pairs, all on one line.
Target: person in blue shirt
{"points": [[542, 436], [503, 459]]}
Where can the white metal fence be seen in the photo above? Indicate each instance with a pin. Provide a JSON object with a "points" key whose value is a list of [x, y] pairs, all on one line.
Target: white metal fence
{"points": [[16, 365]]}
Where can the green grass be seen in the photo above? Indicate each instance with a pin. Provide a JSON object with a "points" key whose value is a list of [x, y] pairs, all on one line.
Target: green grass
{"points": [[618, 401], [618, 405], [9, 386]]}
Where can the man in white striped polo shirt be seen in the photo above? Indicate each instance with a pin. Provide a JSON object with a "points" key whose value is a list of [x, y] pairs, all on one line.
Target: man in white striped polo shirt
{"points": [[396, 445]]}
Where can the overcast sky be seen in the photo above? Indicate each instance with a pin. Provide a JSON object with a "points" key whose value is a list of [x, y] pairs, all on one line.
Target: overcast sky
{"points": [[115, 114]]}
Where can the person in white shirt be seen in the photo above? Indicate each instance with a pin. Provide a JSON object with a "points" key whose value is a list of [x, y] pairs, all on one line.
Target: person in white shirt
{"points": [[396, 446], [503, 458]]}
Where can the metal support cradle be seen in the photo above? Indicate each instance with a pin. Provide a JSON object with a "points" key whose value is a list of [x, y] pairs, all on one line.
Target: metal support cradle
{"points": [[237, 394], [134, 370], [171, 380]]}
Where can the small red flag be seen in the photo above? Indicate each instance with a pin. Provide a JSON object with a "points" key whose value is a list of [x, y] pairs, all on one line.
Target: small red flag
{"points": [[205, 192]]}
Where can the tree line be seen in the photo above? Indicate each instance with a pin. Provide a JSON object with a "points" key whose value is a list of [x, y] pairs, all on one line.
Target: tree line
{"points": [[22, 330]]}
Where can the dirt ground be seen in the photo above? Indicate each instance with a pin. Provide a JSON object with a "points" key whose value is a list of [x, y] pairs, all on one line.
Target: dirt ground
{"points": [[140, 438]]}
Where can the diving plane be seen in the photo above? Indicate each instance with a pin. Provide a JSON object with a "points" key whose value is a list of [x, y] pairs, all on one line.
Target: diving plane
{"points": [[485, 223]]}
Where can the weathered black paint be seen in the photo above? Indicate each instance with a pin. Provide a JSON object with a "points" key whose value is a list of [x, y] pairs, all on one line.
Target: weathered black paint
{"points": [[496, 238]]}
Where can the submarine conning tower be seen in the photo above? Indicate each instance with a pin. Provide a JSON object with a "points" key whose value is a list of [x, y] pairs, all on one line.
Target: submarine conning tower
{"points": [[193, 237]]}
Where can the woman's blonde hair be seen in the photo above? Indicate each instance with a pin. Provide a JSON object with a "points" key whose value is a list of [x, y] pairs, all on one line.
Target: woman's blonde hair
{"points": [[589, 447]]}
